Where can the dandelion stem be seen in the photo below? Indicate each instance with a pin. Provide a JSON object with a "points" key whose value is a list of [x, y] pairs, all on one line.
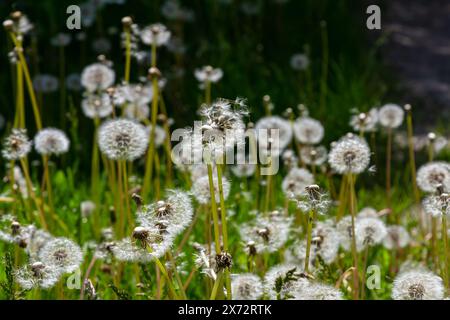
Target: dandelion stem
{"points": [[308, 239], [353, 244], [388, 167], [214, 208], [127, 53], [216, 285], [445, 245]]}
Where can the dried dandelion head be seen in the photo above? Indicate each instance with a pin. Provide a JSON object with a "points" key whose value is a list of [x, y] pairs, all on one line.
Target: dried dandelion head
{"points": [[365, 121], [437, 205], [313, 155], [319, 291]]}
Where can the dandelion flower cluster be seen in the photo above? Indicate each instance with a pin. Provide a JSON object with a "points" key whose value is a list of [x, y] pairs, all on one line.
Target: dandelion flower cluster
{"points": [[51, 141]]}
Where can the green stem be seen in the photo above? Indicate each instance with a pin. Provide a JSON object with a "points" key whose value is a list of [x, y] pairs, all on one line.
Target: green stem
{"points": [[214, 209], [308, 237]]}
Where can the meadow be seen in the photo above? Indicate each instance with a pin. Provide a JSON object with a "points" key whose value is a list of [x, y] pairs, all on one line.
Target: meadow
{"points": [[237, 150]]}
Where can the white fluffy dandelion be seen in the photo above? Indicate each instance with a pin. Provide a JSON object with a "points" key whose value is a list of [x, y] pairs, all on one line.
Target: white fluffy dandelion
{"points": [[36, 275], [17, 145], [201, 192], [97, 76], [97, 105], [122, 139], [369, 232], [208, 73], [432, 175], [308, 130], [366, 121], [313, 155], [51, 141], [417, 285], [155, 34], [264, 128], [246, 286], [319, 291], [396, 237], [173, 214], [299, 62], [296, 181], [437, 205], [391, 115], [62, 254], [350, 154]]}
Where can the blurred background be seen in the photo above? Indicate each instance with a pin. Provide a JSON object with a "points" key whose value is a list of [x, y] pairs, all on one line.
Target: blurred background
{"points": [[255, 43]]}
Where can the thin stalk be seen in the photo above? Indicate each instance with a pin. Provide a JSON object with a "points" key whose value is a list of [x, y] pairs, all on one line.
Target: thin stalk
{"points": [[214, 209], [216, 285], [353, 244], [150, 154], [62, 86], [388, 167], [32, 194], [445, 245], [363, 275], [177, 275], [127, 54], [28, 81], [164, 273], [308, 237], [208, 92], [126, 192]]}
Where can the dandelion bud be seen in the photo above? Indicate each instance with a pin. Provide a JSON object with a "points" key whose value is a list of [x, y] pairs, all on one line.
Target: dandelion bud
{"points": [[15, 227], [431, 137], [137, 199], [223, 261], [8, 24], [127, 22], [154, 72], [16, 15], [251, 248], [101, 58], [141, 234], [37, 269]]}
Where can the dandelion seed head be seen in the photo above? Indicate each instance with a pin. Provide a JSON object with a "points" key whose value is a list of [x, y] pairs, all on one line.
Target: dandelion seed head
{"points": [[367, 212], [432, 175], [308, 130], [36, 275], [200, 189], [318, 291], [264, 128], [369, 232], [299, 62], [45, 83], [243, 170], [17, 145], [62, 254], [365, 122], [397, 237], [288, 288], [155, 34], [208, 73], [267, 234], [350, 154], [246, 286], [51, 141], [122, 139], [313, 155], [175, 212], [97, 76], [391, 115], [96, 105], [296, 181], [417, 285], [437, 205]]}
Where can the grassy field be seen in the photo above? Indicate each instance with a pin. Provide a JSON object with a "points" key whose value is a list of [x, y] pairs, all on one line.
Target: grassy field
{"points": [[99, 209]]}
